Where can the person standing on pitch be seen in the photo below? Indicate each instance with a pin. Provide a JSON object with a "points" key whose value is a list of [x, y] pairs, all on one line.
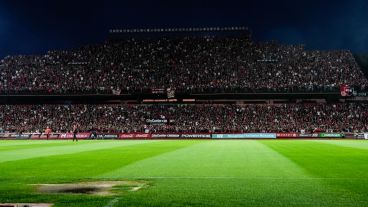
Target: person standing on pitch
{"points": [[75, 131], [48, 132]]}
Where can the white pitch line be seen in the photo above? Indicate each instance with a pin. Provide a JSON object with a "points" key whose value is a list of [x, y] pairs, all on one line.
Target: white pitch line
{"points": [[112, 202], [251, 178]]}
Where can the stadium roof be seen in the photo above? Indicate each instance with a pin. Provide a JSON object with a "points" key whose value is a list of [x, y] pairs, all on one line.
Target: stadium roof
{"points": [[189, 29]]}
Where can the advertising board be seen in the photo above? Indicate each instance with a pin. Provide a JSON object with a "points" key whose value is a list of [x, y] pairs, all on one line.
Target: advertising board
{"points": [[245, 136]]}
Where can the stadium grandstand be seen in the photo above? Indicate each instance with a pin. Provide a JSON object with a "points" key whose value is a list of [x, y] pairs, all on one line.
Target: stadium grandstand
{"points": [[183, 80], [201, 60]]}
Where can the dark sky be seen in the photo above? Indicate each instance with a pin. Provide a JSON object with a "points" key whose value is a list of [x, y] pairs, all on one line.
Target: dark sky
{"points": [[35, 26]]}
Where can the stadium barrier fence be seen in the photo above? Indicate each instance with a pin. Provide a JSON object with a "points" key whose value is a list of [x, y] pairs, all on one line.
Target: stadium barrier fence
{"points": [[90, 135]]}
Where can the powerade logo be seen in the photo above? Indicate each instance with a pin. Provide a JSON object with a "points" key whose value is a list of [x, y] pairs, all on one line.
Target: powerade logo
{"points": [[245, 136], [195, 136]]}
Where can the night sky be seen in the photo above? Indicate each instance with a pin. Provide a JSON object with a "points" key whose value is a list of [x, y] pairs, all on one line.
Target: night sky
{"points": [[35, 26]]}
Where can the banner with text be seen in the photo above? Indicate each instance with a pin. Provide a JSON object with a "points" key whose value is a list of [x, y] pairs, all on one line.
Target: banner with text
{"points": [[180, 136], [84, 135], [134, 136], [331, 135], [287, 135], [245, 136]]}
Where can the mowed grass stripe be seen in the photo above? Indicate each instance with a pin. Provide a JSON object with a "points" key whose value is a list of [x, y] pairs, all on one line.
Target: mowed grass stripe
{"points": [[31, 146], [230, 158], [359, 144], [68, 147], [344, 168], [4, 143], [83, 165], [324, 160], [236, 192]]}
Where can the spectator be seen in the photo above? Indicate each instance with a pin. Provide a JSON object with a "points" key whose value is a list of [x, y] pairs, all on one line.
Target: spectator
{"points": [[340, 117], [184, 64]]}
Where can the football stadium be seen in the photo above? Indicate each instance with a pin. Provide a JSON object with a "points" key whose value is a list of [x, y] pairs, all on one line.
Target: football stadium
{"points": [[180, 116]]}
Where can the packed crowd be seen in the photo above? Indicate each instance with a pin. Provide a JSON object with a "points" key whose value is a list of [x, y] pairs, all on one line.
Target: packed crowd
{"points": [[341, 117], [185, 64]]}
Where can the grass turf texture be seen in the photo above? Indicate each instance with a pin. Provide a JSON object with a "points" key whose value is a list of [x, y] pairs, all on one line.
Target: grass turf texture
{"points": [[191, 172]]}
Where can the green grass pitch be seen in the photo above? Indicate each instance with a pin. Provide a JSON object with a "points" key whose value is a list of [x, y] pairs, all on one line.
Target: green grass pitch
{"points": [[191, 172]]}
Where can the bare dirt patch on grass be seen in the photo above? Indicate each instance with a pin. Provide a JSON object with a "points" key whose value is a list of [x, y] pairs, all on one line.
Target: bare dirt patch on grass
{"points": [[92, 188]]}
